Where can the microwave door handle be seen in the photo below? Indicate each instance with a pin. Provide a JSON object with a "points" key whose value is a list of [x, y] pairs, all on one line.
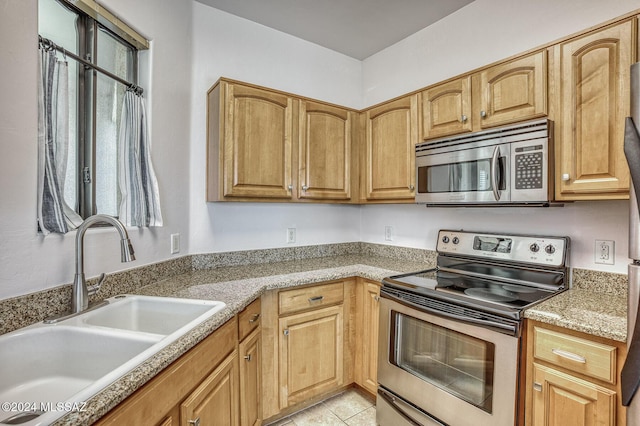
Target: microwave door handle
{"points": [[495, 173]]}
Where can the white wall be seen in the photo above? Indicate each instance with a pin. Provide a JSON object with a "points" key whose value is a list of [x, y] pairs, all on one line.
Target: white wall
{"points": [[478, 34], [584, 222], [227, 46], [29, 262]]}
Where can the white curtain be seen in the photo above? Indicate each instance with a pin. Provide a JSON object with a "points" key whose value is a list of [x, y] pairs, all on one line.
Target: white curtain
{"points": [[140, 198], [54, 215]]}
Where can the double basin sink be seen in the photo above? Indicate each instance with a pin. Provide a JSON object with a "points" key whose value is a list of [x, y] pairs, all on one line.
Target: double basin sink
{"points": [[47, 370]]}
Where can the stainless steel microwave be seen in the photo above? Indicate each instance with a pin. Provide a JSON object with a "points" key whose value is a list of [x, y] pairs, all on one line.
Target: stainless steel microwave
{"points": [[502, 166]]}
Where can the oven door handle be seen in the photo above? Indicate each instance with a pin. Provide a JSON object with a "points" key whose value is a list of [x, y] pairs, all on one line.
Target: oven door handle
{"points": [[511, 329], [495, 173], [396, 403]]}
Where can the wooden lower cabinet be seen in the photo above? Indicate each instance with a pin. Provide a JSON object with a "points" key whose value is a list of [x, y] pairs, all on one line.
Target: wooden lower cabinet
{"points": [[308, 341], [311, 354], [250, 379], [215, 401], [368, 309], [572, 378], [561, 399]]}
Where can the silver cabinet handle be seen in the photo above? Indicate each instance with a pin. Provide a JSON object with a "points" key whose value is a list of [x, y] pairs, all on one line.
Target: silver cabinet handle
{"points": [[463, 119], [376, 298], [411, 187], [248, 358], [483, 114], [569, 355], [254, 318], [537, 386], [290, 187], [566, 177], [195, 422], [305, 187], [316, 299], [285, 331]]}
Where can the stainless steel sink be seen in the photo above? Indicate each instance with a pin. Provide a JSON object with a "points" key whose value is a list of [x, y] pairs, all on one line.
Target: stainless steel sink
{"points": [[57, 366]]}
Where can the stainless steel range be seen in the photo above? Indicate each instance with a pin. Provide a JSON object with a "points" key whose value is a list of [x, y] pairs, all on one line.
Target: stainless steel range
{"points": [[450, 347]]}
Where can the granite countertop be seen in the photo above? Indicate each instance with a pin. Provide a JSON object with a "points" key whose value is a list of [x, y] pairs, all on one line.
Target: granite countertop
{"points": [[592, 312], [579, 309], [237, 286]]}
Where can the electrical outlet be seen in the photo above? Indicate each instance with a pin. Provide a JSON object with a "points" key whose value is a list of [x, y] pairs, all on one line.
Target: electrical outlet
{"points": [[605, 252], [388, 233], [291, 235], [175, 243]]}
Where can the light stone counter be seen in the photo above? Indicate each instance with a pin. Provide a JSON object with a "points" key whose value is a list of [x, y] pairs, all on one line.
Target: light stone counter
{"points": [[596, 305]]}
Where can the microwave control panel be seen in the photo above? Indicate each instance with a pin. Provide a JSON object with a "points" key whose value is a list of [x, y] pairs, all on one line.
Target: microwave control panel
{"points": [[528, 171], [548, 251]]}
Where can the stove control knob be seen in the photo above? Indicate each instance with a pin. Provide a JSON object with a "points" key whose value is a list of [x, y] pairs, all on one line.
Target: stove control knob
{"points": [[455, 240], [550, 249], [534, 247], [445, 239]]}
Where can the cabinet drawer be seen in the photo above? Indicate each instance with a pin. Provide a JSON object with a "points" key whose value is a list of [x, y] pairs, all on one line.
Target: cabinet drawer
{"points": [[573, 353], [249, 319], [310, 297]]}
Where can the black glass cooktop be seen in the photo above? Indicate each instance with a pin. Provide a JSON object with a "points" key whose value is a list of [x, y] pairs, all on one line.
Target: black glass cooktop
{"points": [[489, 294]]}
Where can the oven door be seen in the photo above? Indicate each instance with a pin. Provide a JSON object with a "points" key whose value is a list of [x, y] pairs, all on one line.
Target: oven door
{"points": [[473, 175], [457, 373]]}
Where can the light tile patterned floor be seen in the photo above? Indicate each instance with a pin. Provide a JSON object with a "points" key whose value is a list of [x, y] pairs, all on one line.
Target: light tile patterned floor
{"points": [[351, 407]]}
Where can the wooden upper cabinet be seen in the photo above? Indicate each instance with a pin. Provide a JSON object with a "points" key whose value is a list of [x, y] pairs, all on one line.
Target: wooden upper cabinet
{"points": [[591, 76], [513, 91], [325, 151], [250, 134], [501, 94], [391, 132], [446, 109]]}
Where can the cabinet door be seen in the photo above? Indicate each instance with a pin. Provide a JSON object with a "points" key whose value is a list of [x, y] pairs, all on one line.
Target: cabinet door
{"points": [[592, 74], [446, 109], [250, 380], [369, 335], [258, 126], [311, 354], [389, 154], [324, 152], [561, 399], [513, 91], [215, 401]]}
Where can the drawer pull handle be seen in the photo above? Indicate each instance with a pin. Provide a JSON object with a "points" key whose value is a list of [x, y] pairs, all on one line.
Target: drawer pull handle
{"points": [[537, 387], [569, 355], [248, 357], [254, 318], [195, 422], [316, 299]]}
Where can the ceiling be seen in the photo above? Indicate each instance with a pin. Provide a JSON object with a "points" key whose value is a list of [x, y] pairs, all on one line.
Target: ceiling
{"points": [[356, 28]]}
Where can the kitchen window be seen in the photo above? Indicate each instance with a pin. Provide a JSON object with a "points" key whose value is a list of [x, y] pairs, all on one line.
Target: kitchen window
{"points": [[84, 29]]}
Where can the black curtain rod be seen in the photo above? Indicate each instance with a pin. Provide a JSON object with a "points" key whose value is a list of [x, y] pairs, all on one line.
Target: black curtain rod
{"points": [[48, 44]]}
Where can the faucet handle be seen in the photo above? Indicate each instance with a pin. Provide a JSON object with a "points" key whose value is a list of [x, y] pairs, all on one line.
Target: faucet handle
{"points": [[93, 289]]}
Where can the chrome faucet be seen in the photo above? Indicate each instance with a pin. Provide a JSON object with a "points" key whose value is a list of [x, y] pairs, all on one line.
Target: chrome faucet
{"points": [[80, 293]]}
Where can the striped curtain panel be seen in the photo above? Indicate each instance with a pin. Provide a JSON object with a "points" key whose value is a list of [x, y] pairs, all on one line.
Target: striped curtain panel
{"points": [[54, 215], [140, 198]]}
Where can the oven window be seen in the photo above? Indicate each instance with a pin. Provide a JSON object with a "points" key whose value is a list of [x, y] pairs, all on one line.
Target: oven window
{"points": [[456, 363], [468, 176]]}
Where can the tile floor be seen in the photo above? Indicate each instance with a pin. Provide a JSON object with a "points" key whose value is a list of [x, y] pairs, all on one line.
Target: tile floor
{"points": [[351, 407]]}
